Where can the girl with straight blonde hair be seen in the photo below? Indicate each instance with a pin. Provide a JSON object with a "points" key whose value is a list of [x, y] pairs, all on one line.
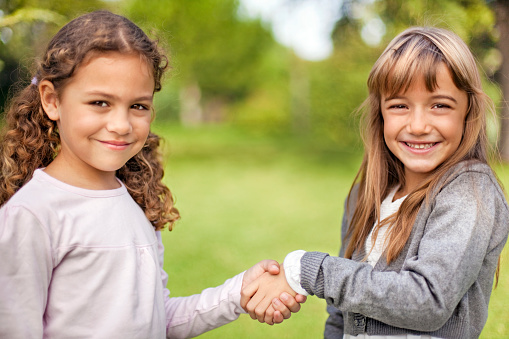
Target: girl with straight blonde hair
{"points": [[426, 218]]}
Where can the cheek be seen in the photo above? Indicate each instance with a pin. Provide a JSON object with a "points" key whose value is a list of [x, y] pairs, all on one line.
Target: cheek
{"points": [[143, 127], [390, 131], [454, 131]]}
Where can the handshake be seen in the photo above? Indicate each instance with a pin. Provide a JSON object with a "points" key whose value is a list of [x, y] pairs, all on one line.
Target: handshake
{"points": [[266, 294]]}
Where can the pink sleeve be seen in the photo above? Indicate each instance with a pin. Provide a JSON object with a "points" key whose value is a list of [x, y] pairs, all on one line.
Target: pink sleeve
{"points": [[193, 315], [26, 267]]}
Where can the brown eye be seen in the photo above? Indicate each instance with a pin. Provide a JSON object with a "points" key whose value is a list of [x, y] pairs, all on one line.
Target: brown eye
{"points": [[140, 107], [441, 106], [100, 103]]}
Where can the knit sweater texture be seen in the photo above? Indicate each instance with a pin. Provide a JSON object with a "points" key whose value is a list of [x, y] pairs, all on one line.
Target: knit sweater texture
{"points": [[441, 282]]}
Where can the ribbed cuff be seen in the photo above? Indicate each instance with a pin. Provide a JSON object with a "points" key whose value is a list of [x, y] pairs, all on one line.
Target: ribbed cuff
{"points": [[311, 278]]}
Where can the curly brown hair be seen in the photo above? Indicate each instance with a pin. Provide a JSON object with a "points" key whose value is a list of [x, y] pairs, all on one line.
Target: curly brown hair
{"points": [[30, 140]]}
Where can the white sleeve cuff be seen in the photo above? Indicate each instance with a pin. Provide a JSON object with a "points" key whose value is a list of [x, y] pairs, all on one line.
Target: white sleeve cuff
{"points": [[291, 265]]}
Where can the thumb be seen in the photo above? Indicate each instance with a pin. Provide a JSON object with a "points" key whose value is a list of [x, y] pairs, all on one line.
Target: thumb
{"points": [[270, 266], [257, 270]]}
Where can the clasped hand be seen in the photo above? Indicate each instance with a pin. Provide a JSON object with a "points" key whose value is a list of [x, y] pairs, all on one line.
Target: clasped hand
{"points": [[266, 295]]}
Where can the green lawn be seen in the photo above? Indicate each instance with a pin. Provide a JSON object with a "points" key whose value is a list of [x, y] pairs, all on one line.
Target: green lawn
{"points": [[244, 198]]}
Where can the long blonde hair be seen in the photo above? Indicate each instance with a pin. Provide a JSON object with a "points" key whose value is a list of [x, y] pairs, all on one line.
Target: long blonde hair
{"points": [[30, 140], [416, 52]]}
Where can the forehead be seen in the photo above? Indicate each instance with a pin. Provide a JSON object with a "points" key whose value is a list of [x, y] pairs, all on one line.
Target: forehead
{"points": [[437, 78], [106, 67], [112, 73], [112, 56]]}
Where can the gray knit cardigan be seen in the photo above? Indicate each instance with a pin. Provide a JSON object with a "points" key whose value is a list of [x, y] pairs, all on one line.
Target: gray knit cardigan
{"points": [[441, 282]]}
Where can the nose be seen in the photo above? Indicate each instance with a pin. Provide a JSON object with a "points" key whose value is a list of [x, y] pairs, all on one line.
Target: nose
{"points": [[119, 122], [418, 122]]}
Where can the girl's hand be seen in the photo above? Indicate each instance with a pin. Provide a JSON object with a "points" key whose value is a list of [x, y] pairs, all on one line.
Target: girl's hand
{"points": [[281, 308], [258, 298]]}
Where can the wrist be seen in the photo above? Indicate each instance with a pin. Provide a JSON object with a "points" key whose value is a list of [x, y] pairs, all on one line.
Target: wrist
{"points": [[291, 267]]}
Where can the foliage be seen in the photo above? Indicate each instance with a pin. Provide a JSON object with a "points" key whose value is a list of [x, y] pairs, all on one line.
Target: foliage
{"points": [[211, 47], [25, 29]]}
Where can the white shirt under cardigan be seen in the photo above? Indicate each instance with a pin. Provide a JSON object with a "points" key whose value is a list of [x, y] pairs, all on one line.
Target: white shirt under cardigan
{"points": [[388, 207], [77, 263]]}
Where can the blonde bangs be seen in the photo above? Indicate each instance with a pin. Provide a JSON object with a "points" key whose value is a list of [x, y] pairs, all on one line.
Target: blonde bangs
{"points": [[401, 65]]}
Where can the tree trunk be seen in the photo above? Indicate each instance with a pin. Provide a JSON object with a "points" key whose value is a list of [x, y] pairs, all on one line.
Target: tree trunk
{"points": [[501, 8], [191, 113], [299, 96]]}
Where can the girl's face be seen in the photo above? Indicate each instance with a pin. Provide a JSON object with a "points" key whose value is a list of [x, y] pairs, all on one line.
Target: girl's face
{"points": [[103, 115], [423, 129]]}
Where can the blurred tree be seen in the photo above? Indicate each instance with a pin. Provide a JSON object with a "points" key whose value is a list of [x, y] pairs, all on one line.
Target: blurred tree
{"points": [[216, 54], [501, 9], [25, 28]]}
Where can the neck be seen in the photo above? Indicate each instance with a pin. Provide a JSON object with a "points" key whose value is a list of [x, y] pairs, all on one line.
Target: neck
{"points": [[81, 177]]}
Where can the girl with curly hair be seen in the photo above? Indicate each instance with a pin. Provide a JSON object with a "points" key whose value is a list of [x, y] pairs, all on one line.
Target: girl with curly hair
{"points": [[83, 202]]}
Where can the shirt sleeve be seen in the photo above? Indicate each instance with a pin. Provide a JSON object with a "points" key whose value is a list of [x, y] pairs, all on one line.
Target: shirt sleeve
{"points": [[26, 267], [457, 238], [190, 316], [292, 271]]}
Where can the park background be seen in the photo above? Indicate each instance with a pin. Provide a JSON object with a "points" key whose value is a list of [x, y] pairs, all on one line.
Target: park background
{"points": [[257, 112]]}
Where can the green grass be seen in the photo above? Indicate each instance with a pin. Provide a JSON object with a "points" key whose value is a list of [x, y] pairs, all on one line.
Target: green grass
{"points": [[244, 198]]}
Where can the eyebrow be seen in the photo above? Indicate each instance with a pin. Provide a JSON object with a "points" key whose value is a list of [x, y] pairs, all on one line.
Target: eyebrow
{"points": [[111, 96], [438, 96]]}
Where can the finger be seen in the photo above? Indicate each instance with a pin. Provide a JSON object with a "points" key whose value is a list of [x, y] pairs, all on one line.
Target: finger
{"points": [[261, 308], [301, 299], [282, 308], [253, 306], [260, 268], [247, 293], [289, 302], [269, 315], [278, 317]]}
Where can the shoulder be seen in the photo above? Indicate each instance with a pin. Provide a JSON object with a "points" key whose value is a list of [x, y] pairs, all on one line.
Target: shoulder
{"points": [[29, 195], [472, 177], [351, 199], [28, 206], [472, 188]]}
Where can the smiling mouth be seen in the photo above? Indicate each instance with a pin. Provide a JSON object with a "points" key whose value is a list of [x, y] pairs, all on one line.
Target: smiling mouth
{"points": [[115, 143], [420, 146]]}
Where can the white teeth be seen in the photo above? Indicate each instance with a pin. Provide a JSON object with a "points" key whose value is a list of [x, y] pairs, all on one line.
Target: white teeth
{"points": [[420, 146]]}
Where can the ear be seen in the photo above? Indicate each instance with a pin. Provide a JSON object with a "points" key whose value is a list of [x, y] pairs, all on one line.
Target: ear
{"points": [[49, 100]]}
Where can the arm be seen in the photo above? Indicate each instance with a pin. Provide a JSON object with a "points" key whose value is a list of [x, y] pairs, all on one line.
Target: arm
{"points": [[292, 272], [213, 307], [193, 315], [455, 241], [25, 272]]}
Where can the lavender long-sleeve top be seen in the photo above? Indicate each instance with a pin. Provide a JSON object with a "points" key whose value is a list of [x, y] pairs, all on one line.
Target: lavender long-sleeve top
{"points": [[77, 263]]}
